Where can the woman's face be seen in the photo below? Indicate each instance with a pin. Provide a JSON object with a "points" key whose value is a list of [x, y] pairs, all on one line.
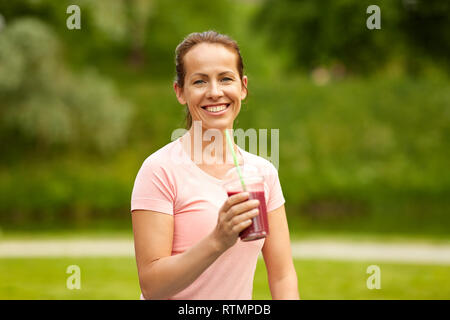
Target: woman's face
{"points": [[212, 88]]}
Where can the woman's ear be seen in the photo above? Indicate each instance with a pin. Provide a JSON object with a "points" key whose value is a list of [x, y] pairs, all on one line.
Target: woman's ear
{"points": [[179, 92], [244, 90]]}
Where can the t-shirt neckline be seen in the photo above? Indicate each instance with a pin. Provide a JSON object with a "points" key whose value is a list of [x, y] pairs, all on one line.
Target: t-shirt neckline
{"points": [[197, 168]]}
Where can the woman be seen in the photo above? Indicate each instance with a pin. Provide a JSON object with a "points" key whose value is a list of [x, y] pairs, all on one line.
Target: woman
{"points": [[186, 229]]}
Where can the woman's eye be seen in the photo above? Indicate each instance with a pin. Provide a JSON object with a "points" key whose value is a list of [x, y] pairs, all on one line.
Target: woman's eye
{"points": [[198, 82]]}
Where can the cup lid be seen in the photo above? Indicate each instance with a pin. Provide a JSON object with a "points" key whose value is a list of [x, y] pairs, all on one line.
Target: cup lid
{"points": [[247, 171]]}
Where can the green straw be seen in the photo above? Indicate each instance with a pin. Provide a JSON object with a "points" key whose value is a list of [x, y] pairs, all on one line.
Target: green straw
{"points": [[230, 144]]}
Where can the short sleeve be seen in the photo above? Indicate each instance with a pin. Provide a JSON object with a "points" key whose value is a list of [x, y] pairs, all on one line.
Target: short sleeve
{"points": [[153, 189], [275, 193]]}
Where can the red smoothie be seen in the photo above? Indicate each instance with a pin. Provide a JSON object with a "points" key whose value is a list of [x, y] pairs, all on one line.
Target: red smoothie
{"points": [[260, 226]]}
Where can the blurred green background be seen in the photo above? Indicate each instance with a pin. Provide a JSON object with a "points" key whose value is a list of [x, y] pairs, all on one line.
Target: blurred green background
{"points": [[364, 115]]}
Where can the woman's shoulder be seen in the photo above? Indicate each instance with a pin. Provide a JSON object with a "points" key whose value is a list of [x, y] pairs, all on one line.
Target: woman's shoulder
{"points": [[164, 156]]}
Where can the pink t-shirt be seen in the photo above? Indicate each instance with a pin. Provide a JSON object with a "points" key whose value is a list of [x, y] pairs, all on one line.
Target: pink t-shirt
{"points": [[170, 182]]}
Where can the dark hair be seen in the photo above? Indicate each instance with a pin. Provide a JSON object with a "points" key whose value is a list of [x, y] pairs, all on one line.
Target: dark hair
{"points": [[193, 39]]}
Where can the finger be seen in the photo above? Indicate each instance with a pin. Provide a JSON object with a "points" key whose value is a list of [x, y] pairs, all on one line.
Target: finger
{"points": [[244, 216], [238, 228], [234, 199], [240, 208]]}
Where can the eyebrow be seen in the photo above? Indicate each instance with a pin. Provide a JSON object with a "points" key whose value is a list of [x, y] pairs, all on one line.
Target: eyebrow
{"points": [[205, 75]]}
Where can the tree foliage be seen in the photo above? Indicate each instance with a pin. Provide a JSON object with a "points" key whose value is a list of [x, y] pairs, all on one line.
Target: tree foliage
{"points": [[330, 32], [43, 102]]}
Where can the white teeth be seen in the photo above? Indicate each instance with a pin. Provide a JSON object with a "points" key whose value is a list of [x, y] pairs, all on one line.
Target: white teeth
{"points": [[216, 108]]}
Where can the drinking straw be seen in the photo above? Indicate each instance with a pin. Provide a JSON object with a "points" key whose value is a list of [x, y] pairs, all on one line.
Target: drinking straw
{"points": [[230, 144]]}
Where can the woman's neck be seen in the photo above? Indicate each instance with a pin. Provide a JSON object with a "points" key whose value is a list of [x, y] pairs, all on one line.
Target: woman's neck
{"points": [[209, 146]]}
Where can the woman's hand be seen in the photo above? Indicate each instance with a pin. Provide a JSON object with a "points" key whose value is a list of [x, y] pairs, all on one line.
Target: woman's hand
{"points": [[234, 216]]}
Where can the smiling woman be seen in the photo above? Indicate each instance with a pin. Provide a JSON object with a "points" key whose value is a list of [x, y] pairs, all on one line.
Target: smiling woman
{"points": [[210, 68], [186, 228]]}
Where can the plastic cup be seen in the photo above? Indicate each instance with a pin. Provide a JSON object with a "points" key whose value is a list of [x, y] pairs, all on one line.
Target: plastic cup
{"points": [[255, 187]]}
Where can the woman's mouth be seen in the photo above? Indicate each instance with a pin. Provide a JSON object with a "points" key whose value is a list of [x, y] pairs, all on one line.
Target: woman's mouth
{"points": [[217, 109]]}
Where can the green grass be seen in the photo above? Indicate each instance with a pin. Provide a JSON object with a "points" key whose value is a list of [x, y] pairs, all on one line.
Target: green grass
{"points": [[116, 278], [322, 279], [45, 278]]}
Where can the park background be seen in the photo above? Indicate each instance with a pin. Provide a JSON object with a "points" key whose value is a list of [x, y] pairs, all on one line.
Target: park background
{"points": [[364, 119]]}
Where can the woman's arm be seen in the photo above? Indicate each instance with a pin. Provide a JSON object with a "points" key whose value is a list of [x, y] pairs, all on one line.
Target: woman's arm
{"points": [[162, 275], [278, 258]]}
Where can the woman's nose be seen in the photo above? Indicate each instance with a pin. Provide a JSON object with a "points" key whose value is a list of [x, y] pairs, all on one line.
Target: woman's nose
{"points": [[214, 91]]}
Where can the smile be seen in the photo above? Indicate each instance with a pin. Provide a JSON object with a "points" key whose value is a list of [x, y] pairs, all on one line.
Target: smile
{"points": [[217, 109]]}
